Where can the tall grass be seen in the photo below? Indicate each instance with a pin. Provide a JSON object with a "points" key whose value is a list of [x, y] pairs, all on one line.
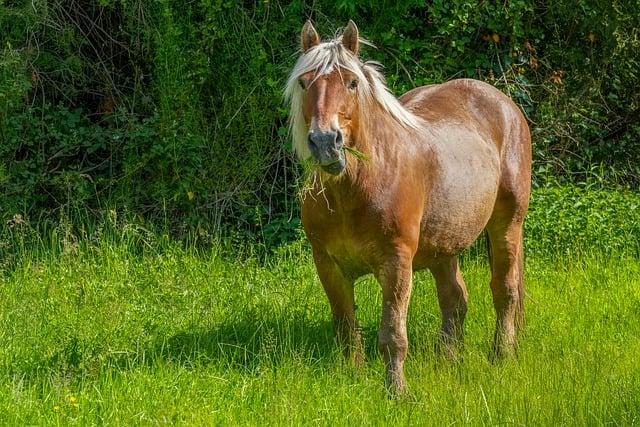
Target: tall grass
{"points": [[101, 331]]}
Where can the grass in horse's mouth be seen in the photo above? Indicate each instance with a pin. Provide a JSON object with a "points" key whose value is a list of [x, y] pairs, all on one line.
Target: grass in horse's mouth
{"points": [[356, 153]]}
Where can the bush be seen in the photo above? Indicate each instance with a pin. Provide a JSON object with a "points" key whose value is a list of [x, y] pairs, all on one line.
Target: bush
{"points": [[573, 220], [173, 110]]}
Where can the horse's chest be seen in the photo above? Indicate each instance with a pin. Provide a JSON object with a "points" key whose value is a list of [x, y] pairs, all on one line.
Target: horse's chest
{"points": [[349, 237]]}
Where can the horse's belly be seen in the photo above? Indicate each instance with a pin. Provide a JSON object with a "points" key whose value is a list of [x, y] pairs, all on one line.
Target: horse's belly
{"points": [[449, 233], [461, 202]]}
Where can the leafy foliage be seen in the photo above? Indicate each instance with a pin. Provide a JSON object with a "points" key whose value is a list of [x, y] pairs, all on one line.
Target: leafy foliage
{"points": [[565, 221], [172, 109]]}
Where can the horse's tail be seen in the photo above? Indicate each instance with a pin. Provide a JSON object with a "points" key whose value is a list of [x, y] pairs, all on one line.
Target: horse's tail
{"points": [[487, 242], [520, 319]]}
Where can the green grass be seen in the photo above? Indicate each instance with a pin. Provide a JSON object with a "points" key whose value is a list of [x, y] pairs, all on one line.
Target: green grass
{"points": [[104, 334]]}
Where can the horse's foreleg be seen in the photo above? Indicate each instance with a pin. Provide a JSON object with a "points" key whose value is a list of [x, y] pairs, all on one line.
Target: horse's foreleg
{"points": [[340, 292], [395, 278], [452, 297]]}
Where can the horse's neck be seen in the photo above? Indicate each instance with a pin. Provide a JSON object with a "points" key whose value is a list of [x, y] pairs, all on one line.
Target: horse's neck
{"points": [[383, 141], [381, 145]]}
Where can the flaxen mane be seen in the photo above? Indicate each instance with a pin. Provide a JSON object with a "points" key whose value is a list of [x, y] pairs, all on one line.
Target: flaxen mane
{"points": [[324, 58]]}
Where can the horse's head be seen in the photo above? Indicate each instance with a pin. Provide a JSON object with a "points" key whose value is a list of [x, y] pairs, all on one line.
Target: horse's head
{"points": [[324, 89], [334, 97]]}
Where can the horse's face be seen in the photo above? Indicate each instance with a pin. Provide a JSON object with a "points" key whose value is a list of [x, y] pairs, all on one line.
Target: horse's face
{"points": [[329, 104]]}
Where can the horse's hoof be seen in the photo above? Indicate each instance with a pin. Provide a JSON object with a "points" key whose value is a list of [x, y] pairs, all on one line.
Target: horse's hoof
{"points": [[502, 353], [396, 386], [355, 358], [451, 352]]}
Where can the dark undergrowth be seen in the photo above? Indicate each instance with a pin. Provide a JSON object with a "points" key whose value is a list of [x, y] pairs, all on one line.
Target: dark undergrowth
{"points": [[171, 111]]}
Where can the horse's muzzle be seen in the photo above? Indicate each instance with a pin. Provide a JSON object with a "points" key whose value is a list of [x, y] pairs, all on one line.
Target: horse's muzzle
{"points": [[326, 147]]}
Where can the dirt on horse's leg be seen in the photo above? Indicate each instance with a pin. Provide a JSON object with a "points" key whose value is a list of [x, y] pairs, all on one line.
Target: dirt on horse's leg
{"points": [[507, 284], [340, 291], [395, 277], [452, 297]]}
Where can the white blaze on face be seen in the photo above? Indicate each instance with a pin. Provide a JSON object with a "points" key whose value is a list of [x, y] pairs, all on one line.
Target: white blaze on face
{"points": [[335, 123], [314, 125]]}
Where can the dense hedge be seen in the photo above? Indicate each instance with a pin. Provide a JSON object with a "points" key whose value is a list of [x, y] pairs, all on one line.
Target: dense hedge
{"points": [[567, 222], [172, 110], [573, 220]]}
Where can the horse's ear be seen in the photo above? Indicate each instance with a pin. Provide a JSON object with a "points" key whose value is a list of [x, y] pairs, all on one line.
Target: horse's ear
{"points": [[350, 37], [309, 36]]}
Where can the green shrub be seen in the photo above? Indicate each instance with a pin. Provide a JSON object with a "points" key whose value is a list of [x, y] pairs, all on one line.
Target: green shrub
{"points": [[576, 220], [51, 154], [173, 110]]}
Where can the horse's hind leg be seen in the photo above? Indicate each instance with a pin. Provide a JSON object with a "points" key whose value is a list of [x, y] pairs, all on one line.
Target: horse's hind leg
{"points": [[505, 238], [452, 297], [505, 232], [340, 292]]}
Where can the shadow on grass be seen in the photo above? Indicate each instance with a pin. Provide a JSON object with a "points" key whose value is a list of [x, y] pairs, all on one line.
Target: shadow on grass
{"points": [[244, 343], [248, 344]]}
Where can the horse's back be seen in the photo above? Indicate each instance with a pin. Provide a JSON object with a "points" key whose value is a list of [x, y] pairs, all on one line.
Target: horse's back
{"points": [[468, 101]]}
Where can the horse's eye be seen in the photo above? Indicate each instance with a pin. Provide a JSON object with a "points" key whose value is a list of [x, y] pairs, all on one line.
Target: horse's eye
{"points": [[301, 83], [353, 84]]}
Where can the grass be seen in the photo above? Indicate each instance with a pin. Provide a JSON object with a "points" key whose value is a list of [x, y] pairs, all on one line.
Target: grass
{"points": [[100, 333]]}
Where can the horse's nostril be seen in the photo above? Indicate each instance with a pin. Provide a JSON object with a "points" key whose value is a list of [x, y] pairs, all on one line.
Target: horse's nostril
{"points": [[325, 142], [312, 143]]}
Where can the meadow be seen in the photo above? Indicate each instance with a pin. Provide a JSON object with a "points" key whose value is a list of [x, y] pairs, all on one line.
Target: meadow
{"points": [[152, 264], [137, 328]]}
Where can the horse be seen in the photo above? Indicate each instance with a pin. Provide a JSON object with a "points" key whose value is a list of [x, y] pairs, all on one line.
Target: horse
{"points": [[403, 184]]}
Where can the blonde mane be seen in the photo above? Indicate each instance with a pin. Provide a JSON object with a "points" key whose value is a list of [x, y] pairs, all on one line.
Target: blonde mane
{"points": [[323, 59]]}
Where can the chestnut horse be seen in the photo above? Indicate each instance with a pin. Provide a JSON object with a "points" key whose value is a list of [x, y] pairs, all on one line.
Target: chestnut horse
{"points": [[431, 171]]}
